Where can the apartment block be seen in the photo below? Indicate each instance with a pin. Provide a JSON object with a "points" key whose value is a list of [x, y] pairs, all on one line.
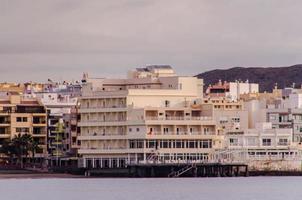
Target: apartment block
{"points": [[23, 115], [232, 90], [56, 105], [151, 116]]}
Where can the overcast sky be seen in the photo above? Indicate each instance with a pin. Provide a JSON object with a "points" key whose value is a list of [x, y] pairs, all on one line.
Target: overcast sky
{"points": [[61, 39]]}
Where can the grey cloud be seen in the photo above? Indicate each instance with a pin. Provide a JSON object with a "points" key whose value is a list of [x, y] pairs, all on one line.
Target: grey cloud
{"points": [[57, 38]]}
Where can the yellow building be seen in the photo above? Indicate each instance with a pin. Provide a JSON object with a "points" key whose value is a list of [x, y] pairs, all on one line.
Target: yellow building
{"points": [[20, 115], [12, 88]]}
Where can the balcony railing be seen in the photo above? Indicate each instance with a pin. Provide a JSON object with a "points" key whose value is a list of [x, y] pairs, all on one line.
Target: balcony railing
{"points": [[39, 122], [283, 143], [181, 133], [105, 134], [5, 122], [107, 120], [178, 118], [5, 133], [103, 107], [40, 133]]}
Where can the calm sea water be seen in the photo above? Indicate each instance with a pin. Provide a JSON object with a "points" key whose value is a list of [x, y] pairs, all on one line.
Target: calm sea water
{"points": [[256, 188]]}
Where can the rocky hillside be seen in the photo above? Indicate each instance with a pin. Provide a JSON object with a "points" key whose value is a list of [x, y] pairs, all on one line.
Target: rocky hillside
{"points": [[265, 76]]}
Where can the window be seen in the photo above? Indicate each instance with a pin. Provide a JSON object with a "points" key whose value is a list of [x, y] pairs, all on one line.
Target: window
{"points": [[140, 144], [272, 118], [133, 144], [266, 142], [191, 144], [167, 103], [165, 144], [166, 130], [283, 142], [130, 129], [205, 144], [22, 130], [178, 144], [223, 120], [21, 119], [206, 130], [234, 142], [236, 119], [151, 144], [137, 129]]}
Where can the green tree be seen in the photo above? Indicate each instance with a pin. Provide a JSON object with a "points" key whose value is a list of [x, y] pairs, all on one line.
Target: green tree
{"points": [[20, 146]]}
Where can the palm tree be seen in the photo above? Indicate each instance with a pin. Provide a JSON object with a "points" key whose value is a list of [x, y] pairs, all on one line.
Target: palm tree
{"points": [[22, 146], [8, 150], [34, 147]]}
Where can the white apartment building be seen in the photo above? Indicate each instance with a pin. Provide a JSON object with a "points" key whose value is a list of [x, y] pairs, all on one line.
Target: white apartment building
{"points": [[263, 136], [286, 112], [228, 115], [152, 116], [232, 90], [261, 143], [56, 105], [237, 88]]}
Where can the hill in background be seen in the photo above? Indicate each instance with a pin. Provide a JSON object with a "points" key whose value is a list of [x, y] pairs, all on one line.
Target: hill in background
{"points": [[267, 77]]}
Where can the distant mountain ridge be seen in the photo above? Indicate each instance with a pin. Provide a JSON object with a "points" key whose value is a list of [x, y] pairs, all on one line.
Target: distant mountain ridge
{"points": [[267, 77]]}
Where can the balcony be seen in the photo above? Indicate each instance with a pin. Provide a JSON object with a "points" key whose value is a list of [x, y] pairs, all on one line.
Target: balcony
{"points": [[39, 121], [188, 120], [102, 123], [4, 123], [5, 135], [85, 150], [177, 118], [95, 109], [39, 134], [283, 143], [42, 123], [180, 135], [103, 136]]}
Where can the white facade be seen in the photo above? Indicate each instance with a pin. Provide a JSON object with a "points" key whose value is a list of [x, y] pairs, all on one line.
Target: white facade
{"points": [[238, 88], [144, 119], [295, 100], [262, 137]]}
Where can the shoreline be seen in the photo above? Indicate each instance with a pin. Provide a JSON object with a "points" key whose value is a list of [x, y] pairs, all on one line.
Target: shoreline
{"points": [[37, 175], [30, 174]]}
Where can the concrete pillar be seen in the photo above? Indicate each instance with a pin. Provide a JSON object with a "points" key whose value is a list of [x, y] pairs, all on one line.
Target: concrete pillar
{"points": [[84, 163], [93, 162], [128, 159]]}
